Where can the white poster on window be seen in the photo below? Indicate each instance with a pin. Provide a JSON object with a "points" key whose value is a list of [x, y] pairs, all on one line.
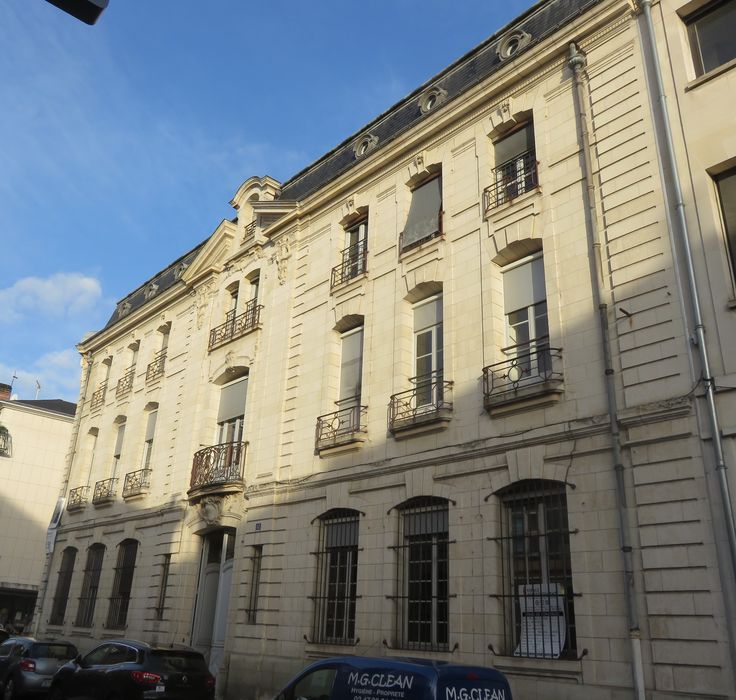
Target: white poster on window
{"points": [[542, 612]]}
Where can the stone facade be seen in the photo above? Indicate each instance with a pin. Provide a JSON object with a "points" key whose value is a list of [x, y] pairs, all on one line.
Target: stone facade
{"points": [[471, 467], [34, 439]]}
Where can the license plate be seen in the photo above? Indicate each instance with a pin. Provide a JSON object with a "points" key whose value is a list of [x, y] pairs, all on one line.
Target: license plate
{"points": [[46, 684], [160, 688]]}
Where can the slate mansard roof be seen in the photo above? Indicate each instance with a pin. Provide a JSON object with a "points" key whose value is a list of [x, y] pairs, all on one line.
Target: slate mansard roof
{"points": [[539, 22]]}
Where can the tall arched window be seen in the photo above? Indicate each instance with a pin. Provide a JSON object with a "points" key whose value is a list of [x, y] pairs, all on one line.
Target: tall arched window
{"points": [[90, 586], [117, 613], [63, 583], [539, 612], [423, 610], [337, 576]]}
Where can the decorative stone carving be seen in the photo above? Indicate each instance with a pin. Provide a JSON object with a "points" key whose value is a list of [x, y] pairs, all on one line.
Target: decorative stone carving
{"points": [[203, 296], [281, 259], [210, 509]]}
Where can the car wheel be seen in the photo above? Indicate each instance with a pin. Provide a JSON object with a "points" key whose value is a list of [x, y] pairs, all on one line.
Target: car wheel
{"points": [[9, 692]]}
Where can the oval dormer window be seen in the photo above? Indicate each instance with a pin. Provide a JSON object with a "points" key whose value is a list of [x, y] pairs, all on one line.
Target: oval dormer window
{"points": [[512, 43]]}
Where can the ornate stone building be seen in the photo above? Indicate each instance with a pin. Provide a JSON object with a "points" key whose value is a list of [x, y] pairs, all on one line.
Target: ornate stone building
{"points": [[436, 394]]}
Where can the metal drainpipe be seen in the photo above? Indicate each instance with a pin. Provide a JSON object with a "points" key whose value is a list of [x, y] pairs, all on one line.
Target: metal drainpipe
{"points": [[43, 588], [577, 64], [666, 144]]}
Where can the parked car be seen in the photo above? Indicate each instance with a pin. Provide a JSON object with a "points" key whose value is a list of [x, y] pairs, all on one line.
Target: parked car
{"points": [[125, 669], [27, 665], [403, 679]]}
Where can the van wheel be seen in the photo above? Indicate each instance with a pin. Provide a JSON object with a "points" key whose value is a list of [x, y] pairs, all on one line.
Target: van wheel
{"points": [[9, 693]]}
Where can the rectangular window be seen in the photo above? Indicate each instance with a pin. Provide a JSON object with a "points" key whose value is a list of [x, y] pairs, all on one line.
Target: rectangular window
{"points": [[540, 620], [351, 368], [527, 328], [117, 614], [118, 448], [337, 578], [162, 586], [726, 184], [63, 583], [515, 171], [148, 444], [711, 31], [424, 575], [232, 411], [428, 352], [90, 586], [425, 214], [255, 583]]}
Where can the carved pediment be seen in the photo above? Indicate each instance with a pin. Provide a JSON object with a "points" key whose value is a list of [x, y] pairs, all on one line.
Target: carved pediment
{"points": [[214, 253]]}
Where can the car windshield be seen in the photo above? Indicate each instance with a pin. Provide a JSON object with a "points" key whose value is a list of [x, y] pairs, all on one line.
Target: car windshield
{"points": [[62, 652], [179, 661]]}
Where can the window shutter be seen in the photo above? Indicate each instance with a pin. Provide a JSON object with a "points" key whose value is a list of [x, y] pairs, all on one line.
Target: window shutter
{"points": [[232, 400], [151, 425], [352, 365], [524, 285], [514, 145], [424, 212], [119, 440]]}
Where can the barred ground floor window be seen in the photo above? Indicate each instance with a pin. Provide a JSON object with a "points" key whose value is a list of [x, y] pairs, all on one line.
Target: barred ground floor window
{"points": [[337, 574], [423, 575], [539, 615], [90, 586], [117, 614], [63, 583]]}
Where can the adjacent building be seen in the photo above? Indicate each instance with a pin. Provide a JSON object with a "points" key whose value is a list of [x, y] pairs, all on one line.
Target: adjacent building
{"points": [[443, 393], [34, 442]]}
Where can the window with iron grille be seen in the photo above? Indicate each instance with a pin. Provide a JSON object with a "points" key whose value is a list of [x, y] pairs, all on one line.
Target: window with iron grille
{"points": [[117, 613], [337, 575], [63, 583], [256, 561], [90, 586], [423, 575], [711, 31], [162, 586], [539, 615]]}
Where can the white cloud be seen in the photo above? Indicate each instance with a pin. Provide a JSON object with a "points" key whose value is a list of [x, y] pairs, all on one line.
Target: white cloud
{"points": [[57, 372], [61, 295]]}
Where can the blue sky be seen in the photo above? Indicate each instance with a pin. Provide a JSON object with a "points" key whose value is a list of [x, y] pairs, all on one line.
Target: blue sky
{"points": [[121, 144]]}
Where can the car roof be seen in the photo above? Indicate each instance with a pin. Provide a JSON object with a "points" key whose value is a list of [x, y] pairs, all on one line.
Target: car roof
{"points": [[426, 667], [145, 646]]}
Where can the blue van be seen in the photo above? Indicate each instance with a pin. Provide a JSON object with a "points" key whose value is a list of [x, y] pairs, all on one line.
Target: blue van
{"points": [[365, 678]]}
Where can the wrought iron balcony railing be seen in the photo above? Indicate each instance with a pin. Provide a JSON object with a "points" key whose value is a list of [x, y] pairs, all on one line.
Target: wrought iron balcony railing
{"points": [[236, 326], [98, 397], [136, 483], [104, 491], [430, 400], [528, 370], [218, 464], [77, 498], [125, 383], [155, 368], [6, 442], [513, 178], [354, 263], [341, 427]]}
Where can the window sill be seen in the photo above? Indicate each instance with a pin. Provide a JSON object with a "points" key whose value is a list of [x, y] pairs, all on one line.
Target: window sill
{"points": [[506, 209], [710, 75], [525, 398], [421, 246], [559, 669], [349, 285], [345, 443], [438, 419]]}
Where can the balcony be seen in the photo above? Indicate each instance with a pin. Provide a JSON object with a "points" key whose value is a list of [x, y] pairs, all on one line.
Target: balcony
{"points": [[527, 378], [218, 469], [512, 179], [428, 406], [104, 492], [136, 483], [77, 498], [250, 234], [236, 326], [354, 263], [98, 397], [344, 428], [155, 369], [125, 383]]}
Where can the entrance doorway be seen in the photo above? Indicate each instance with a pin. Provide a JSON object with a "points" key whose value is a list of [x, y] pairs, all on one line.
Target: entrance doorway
{"points": [[213, 595]]}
